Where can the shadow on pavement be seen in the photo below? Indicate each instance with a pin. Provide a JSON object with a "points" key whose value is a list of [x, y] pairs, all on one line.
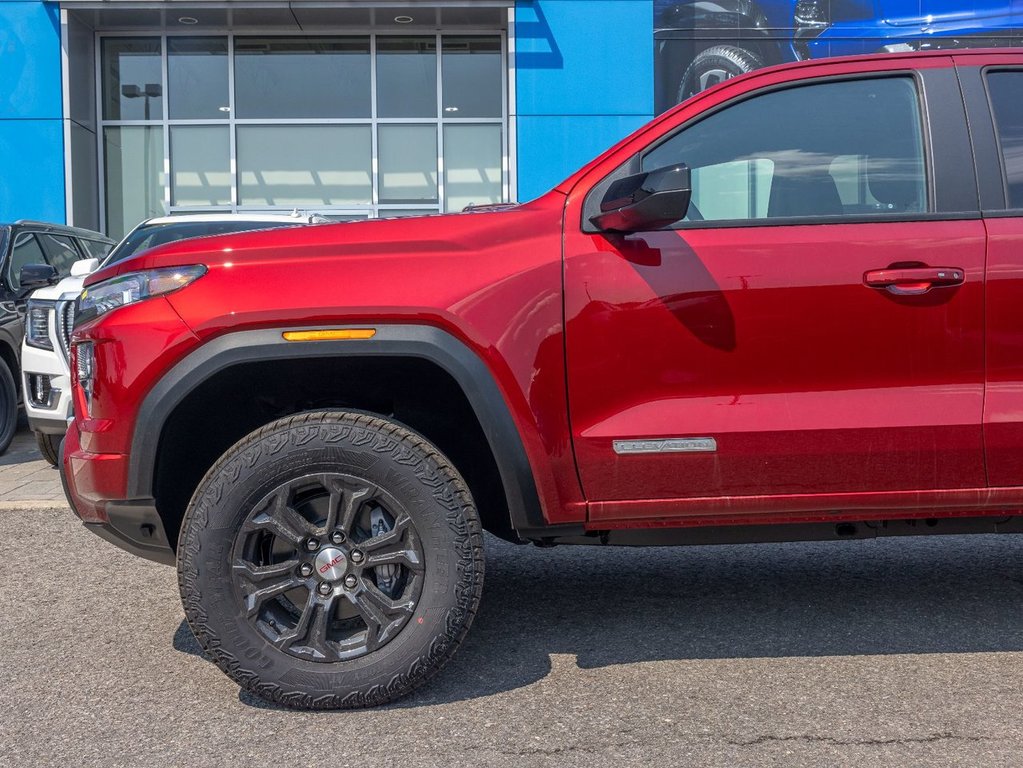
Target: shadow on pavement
{"points": [[620, 606]]}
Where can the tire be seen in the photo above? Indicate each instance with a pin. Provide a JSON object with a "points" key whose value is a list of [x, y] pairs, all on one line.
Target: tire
{"points": [[715, 65], [407, 516], [8, 407], [49, 446]]}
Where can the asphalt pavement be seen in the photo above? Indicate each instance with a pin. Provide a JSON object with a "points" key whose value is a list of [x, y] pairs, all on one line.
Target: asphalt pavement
{"points": [[896, 652]]}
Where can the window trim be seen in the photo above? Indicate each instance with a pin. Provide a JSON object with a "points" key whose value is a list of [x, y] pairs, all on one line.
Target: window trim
{"points": [[591, 202]]}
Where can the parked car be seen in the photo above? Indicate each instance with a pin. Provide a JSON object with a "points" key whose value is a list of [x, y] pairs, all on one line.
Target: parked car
{"points": [[32, 254], [51, 312], [699, 43], [787, 309]]}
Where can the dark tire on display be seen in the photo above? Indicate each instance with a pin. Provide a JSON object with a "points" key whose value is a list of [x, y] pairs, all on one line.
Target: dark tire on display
{"points": [[8, 406], [331, 560], [715, 65], [49, 447]]}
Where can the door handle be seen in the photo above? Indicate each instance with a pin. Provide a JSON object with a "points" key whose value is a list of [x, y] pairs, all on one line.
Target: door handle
{"points": [[915, 280]]}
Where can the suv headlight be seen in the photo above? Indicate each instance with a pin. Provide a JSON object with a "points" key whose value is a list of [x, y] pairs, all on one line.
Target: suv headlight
{"points": [[37, 324], [811, 17], [131, 288]]}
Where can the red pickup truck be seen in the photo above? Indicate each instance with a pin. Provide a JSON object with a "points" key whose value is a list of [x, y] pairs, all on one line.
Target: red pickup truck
{"points": [[788, 309]]}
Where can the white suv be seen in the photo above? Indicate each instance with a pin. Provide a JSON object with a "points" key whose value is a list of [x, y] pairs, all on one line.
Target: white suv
{"points": [[50, 316]]}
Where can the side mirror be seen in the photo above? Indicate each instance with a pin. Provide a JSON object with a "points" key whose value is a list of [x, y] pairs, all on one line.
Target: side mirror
{"points": [[645, 201], [36, 276], [84, 267]]}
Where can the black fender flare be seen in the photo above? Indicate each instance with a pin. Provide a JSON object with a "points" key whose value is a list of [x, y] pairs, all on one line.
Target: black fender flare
{"points": [[419, 341]]}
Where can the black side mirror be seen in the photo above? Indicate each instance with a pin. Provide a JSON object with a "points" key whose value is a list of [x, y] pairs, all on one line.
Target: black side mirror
{"points": [[36, 276], [645, 201]]}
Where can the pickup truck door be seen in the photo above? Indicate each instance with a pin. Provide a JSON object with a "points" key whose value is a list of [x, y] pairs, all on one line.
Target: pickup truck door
{"points": [[994, 98], [811, 336]]}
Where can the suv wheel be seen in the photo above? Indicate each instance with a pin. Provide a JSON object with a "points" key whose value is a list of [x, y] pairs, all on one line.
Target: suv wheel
{"points": [[49, 447], [331, 560], [8, 406], [715, 65]]}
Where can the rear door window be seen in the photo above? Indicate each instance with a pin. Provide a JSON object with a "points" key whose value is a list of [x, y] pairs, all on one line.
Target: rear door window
{"points": [[1006, 92], [96, 249], [61, 252]]}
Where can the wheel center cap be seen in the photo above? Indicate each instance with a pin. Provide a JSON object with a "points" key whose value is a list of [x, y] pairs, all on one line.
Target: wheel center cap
{"points": [[330, 564]]}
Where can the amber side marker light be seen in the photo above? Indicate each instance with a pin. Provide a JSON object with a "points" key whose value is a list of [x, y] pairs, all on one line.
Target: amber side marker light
{"points": [[330, 334]]}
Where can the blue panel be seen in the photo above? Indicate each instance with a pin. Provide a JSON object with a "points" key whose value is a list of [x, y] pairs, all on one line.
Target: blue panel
{"points": [[553, 148], [32, 170], [584, 57], [30, 83]]}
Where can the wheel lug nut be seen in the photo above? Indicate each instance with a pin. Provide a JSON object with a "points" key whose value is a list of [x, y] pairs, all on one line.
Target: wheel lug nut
{"points": [[357, 556], [325, 588], [305, 569], [337, 537], [312, 545], [351, 581]]}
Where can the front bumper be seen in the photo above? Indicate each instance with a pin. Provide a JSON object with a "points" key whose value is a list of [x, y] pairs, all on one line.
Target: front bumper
{"points": [[132, 524]]}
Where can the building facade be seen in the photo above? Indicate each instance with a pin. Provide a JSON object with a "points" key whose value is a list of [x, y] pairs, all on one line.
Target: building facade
{"points": [[112, 111]]}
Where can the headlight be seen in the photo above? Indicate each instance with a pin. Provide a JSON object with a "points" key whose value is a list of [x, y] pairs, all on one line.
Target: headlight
{"points": [[37, 324], [811, 17], [128, 289]]}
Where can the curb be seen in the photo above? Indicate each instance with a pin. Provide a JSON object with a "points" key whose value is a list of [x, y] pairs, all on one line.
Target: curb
{"points": [[34, 504]]}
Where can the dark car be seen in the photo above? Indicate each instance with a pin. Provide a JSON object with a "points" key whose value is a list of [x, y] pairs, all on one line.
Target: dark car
{"points": [[48, 251], [699, 43]]}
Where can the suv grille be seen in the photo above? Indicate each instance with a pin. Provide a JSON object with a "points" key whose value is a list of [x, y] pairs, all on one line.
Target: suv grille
{"points": [[65, 319]]}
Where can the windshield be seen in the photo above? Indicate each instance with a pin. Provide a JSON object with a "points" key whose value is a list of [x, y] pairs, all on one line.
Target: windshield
{"points": [[152, 235]]}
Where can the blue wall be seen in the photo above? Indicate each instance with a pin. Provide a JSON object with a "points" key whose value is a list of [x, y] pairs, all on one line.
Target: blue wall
{"points": [[584, 80], [31, 128]]}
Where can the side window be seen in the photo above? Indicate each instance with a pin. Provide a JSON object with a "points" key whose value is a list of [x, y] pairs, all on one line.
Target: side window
{"points": [[61, 251], [1005, 89], [841, 148], [96, 248], [26, 250]]}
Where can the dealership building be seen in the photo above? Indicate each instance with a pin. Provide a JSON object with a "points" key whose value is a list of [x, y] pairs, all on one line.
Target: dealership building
{"points": [[112, 111]]}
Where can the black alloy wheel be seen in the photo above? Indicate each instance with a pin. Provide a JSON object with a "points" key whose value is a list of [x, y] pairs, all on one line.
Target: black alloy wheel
{"points": [[329, 567], [331, 560]]}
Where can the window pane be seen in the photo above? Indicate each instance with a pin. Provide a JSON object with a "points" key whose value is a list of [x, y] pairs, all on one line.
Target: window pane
{"points": [[305, 77], [408, 163], [472, 165], [200, 157], [97, 249], [26, 251], [61, 252], [829, 149], [1006, 90], [304, 165], [472, 69], [406, 77], [197, 78], [132, 78], [133, 164]]}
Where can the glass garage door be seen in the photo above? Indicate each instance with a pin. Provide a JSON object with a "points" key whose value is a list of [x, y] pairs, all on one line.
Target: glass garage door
{"points": [[349, 126]]}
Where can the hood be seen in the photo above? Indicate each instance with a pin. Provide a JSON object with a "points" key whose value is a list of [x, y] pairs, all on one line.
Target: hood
{"points": [[449, 234], [69, 285]]}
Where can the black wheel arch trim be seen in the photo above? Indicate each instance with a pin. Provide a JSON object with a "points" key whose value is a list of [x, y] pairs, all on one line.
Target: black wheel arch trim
{"points": [[419, 341]]}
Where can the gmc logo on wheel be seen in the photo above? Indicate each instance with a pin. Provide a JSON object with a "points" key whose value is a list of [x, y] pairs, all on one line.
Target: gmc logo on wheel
{"points": [[331, 564]]}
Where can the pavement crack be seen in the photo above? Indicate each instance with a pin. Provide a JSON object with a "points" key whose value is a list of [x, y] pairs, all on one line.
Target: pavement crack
{"points": [[808, 739]]}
